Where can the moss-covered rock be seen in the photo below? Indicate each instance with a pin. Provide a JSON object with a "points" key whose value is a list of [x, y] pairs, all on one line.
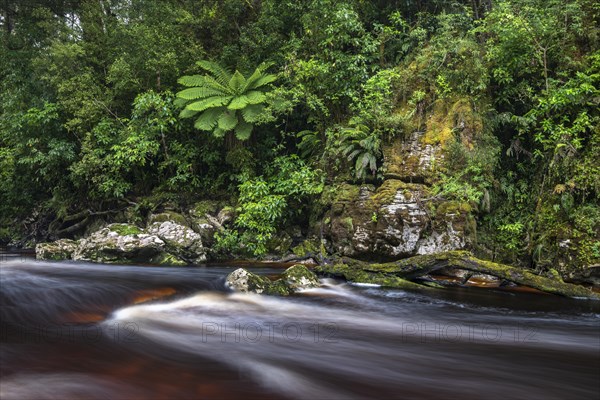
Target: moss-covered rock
{"points": [[119, 243], [418, 266], [244, 281], [293, 279], [167, 259], [62, 249], [298, 277], [180, 241], [397, 219]]}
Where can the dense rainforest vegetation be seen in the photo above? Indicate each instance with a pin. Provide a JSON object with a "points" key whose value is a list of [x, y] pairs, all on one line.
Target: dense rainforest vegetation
{"points": [[118, 107]]}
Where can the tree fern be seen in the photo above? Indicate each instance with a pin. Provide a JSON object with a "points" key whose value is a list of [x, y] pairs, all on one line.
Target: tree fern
{"points": [[222, 101]]}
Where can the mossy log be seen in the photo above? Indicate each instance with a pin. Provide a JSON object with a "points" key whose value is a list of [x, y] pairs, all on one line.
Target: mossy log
{"points": [[414, 267]]}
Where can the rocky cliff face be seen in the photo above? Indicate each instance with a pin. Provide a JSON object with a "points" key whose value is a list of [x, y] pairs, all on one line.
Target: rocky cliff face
{"points": [[396, 220]]}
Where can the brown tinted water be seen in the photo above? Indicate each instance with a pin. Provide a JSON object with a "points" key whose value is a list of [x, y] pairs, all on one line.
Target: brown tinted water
{"points": [[77, 330]]}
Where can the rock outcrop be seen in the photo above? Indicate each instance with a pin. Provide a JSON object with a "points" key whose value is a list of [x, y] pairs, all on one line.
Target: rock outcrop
{"points": [[119, 243], [397, 273], [396, 220], [293, 279], [180, 241]]}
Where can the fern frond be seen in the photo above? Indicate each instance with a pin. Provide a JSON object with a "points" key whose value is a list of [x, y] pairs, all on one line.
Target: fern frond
{"points": [[255, 97], [191, 80], [199, 93], [209, 102], [239, 102], [262, 81], [227, 120], [243, 130], [237, 82], [185, 113], [221, 74], [208, 119], [252, 112]]}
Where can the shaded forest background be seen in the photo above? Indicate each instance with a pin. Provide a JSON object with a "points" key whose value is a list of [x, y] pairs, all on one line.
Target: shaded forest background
{"points": [[90, 120]]}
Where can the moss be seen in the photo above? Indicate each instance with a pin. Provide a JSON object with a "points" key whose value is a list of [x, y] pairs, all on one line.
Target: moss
{"points": [[307, 248], [348, 223], [386, 193], [205, 207], [167, 259], [125, 229], [420, 265], [358, 275], [169, 216], [454, 207]]}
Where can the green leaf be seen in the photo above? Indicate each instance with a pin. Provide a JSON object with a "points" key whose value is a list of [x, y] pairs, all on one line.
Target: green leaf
{"points": [[199, 93], [209, 102], [255, 97], [208, 119], [185, 113], [228, 120], [252, 112], [218, 132], [262, 81], [238, 102], [243, 130], [237, 81], [222, 75], [191, 80]]}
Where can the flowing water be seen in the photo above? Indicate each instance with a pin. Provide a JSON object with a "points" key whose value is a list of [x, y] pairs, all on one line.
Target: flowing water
{"points": [[85, 331]]}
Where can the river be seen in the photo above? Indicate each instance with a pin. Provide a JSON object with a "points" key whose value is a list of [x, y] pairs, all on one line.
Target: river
{"points": [[86, 331]]}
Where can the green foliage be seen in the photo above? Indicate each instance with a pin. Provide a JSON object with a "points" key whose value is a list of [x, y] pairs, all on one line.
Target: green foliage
{"points": [[362, 147], [224, 102], [266, 204]]}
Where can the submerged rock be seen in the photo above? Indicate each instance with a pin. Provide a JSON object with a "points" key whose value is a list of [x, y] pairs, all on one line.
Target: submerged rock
{"points": [[62, 249], [293, 279]]}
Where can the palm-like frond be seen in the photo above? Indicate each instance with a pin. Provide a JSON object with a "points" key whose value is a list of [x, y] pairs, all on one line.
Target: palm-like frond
{"points": [[199, 93], [243, 130], [252, 112], [221, 74], [227, 120], [209, 102], [207, 121], [224, 101]]}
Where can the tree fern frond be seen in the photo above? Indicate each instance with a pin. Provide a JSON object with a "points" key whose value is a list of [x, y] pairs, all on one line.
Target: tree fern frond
{"points": [[185, 113], [208, 119], [239, 102], [256, 97], [209, 102], [221, 74], [262, 81], [213, 83], [179, 102], [218, 132], [227, 120], [352, 155], [252, 112], [199, 93], [243, 130], [191, 80], [237, 82]]}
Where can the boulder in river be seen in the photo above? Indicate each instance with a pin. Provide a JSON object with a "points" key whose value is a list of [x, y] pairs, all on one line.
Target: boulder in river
{"points": [[61, 249], [293, 279], [180, 240]]}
